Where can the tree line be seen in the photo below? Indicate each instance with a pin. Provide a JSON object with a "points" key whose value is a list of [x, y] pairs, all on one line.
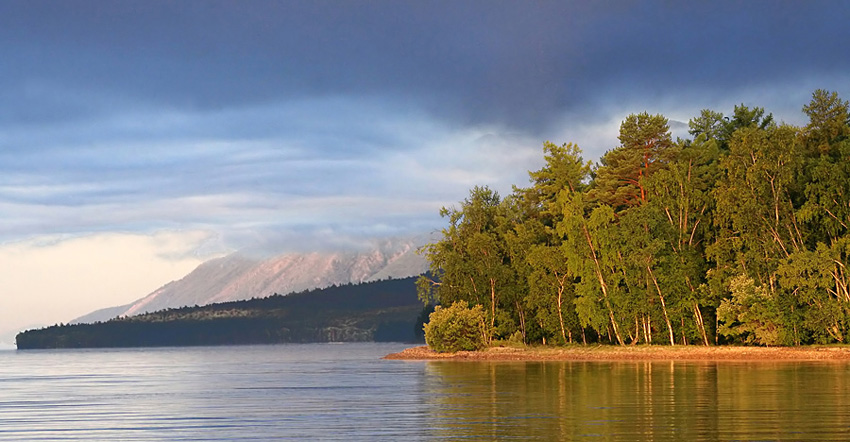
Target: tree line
{"points": [[386, 310], [737, 235]]}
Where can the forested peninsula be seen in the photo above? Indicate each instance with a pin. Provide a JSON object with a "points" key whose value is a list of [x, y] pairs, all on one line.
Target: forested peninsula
{"points": [[737, 235], [385, 310]]}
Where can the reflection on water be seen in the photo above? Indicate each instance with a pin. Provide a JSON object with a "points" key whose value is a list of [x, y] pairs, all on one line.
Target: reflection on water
{"points": [[254, 393], [347, 393], [640, 400]]}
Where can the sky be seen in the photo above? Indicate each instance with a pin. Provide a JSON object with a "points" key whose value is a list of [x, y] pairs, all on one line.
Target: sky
{"points": [[140, 138]]}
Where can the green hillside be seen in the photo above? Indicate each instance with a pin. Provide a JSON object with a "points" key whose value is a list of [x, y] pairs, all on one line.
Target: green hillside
{"points": [[378, 311]]}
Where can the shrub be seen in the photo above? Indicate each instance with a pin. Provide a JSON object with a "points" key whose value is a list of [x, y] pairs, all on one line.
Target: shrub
{"points": [[751, 315], [456, 328]]}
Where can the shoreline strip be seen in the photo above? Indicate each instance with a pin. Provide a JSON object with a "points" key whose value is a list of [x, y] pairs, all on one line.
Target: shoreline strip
{"points": [[635, 353]]}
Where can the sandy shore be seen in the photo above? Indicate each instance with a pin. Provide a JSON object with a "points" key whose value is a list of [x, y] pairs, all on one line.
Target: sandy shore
{"points": [[636, 353]]}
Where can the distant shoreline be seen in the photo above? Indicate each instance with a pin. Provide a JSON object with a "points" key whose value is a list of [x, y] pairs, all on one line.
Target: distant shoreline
{"points": [[634, 353]]}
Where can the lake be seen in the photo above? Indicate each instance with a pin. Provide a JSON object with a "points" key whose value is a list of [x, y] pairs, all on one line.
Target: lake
{"points": [[346, 392]]}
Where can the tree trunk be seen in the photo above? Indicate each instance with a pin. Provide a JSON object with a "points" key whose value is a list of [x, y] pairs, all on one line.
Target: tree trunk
{"points": [[700, 323], [663, 305], [560, 314], [600, 277], [637, 331], [492, 309], [521, 314]]}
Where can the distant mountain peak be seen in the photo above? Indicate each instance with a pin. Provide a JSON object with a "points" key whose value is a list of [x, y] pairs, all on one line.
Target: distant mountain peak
{"points": [[237, 276]]}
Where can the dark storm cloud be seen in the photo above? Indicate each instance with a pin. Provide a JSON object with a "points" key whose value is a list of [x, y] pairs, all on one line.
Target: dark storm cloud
{"points": [[477, 62], [254, 116], [134, 132]]}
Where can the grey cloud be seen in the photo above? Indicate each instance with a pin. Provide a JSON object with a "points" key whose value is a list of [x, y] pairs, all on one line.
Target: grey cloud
{"points": [[471, 62], [148, 114], [191, 169]]}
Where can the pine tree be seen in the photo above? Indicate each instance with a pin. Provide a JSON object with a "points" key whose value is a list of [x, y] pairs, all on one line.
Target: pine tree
{"points": [[645, 147]]}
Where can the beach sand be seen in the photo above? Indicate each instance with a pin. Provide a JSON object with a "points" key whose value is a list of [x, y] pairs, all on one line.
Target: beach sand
{"points": [[634, 353]]}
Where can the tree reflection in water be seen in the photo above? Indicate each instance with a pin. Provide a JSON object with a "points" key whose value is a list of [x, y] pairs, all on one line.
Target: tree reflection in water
{"points": [[639, 400]]}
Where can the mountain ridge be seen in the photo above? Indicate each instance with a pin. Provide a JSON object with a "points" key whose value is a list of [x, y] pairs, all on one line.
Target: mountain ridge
{"points": [[238, 277], [388, 310]]}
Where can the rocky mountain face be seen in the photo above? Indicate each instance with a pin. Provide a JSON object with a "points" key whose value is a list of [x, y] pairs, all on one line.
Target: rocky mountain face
{"points": [[237, 277]]}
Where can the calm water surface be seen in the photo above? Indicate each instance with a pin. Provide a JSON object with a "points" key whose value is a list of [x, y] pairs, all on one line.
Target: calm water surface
{"points": [[346, 392]]}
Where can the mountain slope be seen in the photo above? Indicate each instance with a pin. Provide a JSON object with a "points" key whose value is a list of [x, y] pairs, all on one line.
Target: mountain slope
{"points": [[386, 310], [237, 277]]}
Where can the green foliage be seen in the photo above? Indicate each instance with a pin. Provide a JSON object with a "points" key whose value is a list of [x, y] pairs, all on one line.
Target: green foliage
{"points": [[376, 311], [720, 128], [564, 169], [828, 120], [709, 124], [456, 328], [552, 293], [751, 315], [646, 146], [745, 227], [820, 314]]}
